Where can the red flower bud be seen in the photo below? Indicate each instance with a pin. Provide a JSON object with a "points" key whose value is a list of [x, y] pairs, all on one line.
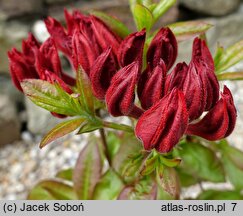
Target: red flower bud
{"points": [[105, 37], [163, 46], [120, 95], [83, 52], [62, 40], [47, 59], [202, 55], [162, 126], [101, 74], [20, 68], [151, 85], [131, 48], [219, 122], [188, 80]]}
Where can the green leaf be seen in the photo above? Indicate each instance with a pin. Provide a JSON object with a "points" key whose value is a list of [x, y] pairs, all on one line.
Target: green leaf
{"points": [[84, 88], [229, 57], [162, 7], [49, 97], [220, 195], [116, 25], [200, 162], [189, 29], [52, 189], [142, 17], [113, 142], [230, 76], [144, 189], [186, 179], [108, 187], [61, 130], [129, 154], [87, 171], [168, 183], [66, 174], [234, 173], [89, 127]]}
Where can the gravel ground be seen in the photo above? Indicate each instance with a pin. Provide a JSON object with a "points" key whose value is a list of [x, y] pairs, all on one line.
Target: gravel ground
{"points": [[23, 164]]}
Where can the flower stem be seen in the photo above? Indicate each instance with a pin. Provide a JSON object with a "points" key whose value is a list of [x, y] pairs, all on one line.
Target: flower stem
{"points": [[105, 145], [116, 126]]}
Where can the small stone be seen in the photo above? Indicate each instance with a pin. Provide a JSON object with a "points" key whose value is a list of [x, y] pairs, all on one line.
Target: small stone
{"points": [[212, 7]]}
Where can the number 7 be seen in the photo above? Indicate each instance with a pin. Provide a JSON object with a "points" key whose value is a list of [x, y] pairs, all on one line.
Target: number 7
{"points": [[234, 205]]}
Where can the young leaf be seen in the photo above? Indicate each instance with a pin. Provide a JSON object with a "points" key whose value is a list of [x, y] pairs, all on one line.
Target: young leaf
{"points": [[220, 195], [61, 130], [200, 162], [108, 187], [113, 142], [124, 157], [231, 56], [116, 25], [142, 17], [66, 174], [162, 7], [169, 183], [230, 76], [144, 189], [89, 127], [87, 171], [84, 88], [49, 189], [45, 95], [189, 29]]}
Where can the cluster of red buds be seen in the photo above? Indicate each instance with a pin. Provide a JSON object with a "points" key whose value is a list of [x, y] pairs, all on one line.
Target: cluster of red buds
{"points": [[171, 103]]}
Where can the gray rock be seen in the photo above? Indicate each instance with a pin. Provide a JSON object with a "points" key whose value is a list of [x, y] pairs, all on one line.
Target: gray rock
{"points": [[39, 121], [11, 35], [16, 8], [212, 7], [9, 123]]}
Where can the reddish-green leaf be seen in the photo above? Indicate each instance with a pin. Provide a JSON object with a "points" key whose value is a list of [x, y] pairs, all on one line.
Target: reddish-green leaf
{"points": [[87, 171], [116, 25], [189, 29], [61, 130], [52, 189], [85, 91], [66, 174], [169, 184]]}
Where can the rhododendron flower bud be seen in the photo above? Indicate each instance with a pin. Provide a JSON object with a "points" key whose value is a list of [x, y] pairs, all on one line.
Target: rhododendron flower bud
{"points": [[20, 68], [101, 74], [163, 46], [120, 95], [151, 85], [219, 122], [187, 79], [202, 55], [47, 59], [63, 41], [162, 126], [83, 52], [105, 37], [131, 48]]}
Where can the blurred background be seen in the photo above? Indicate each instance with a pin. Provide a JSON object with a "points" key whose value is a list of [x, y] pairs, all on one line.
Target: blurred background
{"points": [[22, 124]]}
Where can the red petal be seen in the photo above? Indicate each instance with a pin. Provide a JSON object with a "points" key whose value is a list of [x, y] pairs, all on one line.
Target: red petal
{"points": [[101, 74], [162, 126], [62, 40], [219, 121], [131, 48], [163, 46], [151, 85], [120, 95]]}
